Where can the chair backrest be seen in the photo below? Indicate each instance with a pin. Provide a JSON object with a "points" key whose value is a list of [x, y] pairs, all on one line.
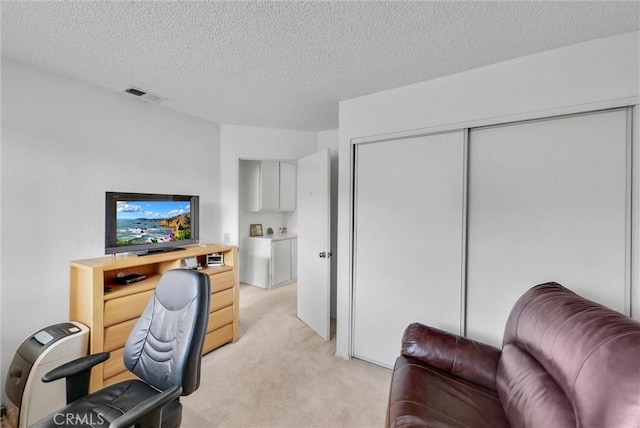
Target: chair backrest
{"points": [[567, 361], [165, 346]]}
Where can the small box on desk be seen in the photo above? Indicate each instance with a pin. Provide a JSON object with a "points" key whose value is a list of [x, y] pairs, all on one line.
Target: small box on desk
{"points": [[215, 259]]}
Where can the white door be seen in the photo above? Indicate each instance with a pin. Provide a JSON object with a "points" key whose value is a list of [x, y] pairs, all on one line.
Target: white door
{"points": [[314, 229], [547, 202], [408, 240]]}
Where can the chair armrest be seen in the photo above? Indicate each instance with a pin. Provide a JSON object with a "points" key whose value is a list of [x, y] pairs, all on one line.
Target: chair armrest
{"points": [[77, 374], [466, 358], [147, 414]]}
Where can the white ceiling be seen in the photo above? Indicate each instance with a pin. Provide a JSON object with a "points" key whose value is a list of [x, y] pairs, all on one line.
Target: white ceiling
{"points": [[288, 64]]}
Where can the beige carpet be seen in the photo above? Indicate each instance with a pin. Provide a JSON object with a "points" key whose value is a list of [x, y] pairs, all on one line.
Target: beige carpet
{"points": [[281, 374]]}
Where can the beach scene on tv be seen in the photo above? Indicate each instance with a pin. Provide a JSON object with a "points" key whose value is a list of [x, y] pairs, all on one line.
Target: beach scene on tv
{"points": [[152, 222]]}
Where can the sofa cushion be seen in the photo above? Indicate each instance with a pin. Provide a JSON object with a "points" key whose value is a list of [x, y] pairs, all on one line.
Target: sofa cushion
{"points": [[530, 396], [590, 352], [422, 395]]}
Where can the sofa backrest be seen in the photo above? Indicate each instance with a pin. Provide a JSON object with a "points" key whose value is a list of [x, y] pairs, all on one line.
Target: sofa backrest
{"points": [[569, 362]]}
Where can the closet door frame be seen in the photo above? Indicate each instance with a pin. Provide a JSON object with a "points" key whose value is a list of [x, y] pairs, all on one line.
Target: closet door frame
{"points": [[633, 191], [634, 130]]}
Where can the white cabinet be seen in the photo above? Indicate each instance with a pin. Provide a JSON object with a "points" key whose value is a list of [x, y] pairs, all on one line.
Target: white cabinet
{"points": [[294, 258], [270, 186], [270, 261], [269, 189], [287, 182], [280, 261]]}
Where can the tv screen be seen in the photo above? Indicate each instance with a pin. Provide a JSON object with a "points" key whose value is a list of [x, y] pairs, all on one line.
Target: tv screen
{"points": [[145, 223]]}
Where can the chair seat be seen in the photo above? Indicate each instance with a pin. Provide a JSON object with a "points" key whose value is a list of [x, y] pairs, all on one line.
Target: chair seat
{"points": [[104, 406]]}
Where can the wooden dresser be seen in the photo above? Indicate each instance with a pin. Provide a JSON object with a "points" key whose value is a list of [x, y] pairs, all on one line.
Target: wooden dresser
{"points": [[110, 310]]}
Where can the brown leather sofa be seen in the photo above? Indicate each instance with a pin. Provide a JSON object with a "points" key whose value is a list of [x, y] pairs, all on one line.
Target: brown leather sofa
{"points": [[565, 362]]}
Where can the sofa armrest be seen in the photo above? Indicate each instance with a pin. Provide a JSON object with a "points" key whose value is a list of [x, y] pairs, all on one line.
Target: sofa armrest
{"points": [[466, 358]]}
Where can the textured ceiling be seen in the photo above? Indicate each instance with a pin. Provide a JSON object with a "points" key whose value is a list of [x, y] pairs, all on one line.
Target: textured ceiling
{"points": [[288, 64]]}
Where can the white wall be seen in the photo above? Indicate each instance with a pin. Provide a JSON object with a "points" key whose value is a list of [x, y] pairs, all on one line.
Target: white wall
{"points": [[596, 74], [329, 140], [65, 143]]}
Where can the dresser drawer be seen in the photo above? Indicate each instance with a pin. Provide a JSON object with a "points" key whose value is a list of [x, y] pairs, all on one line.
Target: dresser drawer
{"points": [[125, 308], [115, 364], [222, 281], [218, 338], [220, 318], [221, 299], [116, 335], [126, 375]]}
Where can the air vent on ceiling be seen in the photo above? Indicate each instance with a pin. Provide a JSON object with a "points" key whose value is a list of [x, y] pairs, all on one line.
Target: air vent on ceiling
{"points": [[147, 96]]}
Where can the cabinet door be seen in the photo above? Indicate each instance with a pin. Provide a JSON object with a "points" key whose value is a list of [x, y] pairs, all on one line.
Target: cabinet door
{"points": [[287, 186], [294, 258], [281, 261], [256, 261], [269, 185], [408, 240], [250, 184]]}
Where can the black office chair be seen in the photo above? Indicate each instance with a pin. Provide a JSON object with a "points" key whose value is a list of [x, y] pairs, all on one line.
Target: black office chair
{"points": [[164, 349]]}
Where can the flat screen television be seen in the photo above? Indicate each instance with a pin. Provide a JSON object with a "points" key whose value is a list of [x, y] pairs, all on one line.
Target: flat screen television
{"points": [[146, 223]]}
